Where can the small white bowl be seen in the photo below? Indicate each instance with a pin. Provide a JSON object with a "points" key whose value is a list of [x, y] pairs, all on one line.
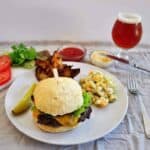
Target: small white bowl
{"points": [[76, 57], [100, 60]]}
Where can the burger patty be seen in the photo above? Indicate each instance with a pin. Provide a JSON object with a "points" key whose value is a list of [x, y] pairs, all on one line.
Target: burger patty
{"points": [[46, 119], [85, 115]]}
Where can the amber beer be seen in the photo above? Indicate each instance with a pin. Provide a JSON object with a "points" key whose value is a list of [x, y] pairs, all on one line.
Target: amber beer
{"points": [[127, 30]]}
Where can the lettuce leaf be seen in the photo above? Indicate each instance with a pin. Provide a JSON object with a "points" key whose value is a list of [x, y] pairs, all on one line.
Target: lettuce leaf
{"points": [[86, 104]]}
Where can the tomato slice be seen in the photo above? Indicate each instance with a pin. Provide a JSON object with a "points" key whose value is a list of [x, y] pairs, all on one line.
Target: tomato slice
{"points": [[5, 76], [5, 62]]}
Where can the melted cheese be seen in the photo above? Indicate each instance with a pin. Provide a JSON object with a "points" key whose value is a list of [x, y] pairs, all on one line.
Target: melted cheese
{"points": [[67, 120]]}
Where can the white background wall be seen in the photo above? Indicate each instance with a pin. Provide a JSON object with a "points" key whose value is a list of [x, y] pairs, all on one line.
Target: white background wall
{"points": [[76, 20]]}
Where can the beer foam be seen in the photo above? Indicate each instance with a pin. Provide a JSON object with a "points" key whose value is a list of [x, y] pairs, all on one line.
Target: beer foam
{"points": [[130, 18]]}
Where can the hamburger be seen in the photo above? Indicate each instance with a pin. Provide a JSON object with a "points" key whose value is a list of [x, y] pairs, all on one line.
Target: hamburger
{"points": [[59, 104]]}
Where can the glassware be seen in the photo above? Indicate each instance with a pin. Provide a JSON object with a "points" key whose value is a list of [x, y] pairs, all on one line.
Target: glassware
{"points": [[127, 32]]}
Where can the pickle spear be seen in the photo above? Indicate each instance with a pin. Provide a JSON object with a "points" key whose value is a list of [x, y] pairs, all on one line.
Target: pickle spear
{"points": [[24, 103]]}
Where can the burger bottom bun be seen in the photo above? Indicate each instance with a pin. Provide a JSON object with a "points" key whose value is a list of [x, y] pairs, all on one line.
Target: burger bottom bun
{"points": [[51, 129]]}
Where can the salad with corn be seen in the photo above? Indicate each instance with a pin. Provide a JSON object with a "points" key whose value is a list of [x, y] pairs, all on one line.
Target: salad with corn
{"points": [[100, 87]]}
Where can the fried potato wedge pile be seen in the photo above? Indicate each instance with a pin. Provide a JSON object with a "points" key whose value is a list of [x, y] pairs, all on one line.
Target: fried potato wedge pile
{"points": [[46, 62]]}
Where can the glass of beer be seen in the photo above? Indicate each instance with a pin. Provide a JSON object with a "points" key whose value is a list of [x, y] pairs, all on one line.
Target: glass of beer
{"points": [[127, 31]]}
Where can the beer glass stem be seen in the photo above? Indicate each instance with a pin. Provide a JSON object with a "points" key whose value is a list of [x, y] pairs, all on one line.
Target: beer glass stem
{"points": [[123, 54]]}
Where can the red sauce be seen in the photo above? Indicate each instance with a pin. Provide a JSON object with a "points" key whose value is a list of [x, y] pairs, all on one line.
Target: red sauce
{"points": [[72, 53]]}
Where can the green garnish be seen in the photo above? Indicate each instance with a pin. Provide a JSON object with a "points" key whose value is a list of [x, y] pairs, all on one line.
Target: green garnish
{"points": [[86, 104], [22, 54], [29, 64]]}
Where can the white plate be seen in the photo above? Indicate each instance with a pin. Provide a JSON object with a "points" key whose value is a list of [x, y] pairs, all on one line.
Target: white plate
{"points": [[102, 121]]}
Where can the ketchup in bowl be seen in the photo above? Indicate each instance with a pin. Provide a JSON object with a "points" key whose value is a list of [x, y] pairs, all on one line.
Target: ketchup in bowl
{"points": [[72, 53]]}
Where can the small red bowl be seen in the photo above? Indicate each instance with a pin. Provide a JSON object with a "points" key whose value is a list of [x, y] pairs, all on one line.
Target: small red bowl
{"points": [[72, 52]]}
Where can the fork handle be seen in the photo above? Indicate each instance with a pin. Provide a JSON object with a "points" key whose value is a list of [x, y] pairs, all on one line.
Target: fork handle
{"points": [[146, 118]]}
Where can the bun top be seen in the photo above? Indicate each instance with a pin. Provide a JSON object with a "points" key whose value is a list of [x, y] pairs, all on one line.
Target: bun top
{"points": [[58, 96]]}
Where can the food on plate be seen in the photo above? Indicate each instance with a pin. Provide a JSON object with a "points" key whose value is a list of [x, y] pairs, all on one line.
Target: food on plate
{"points": [[100, 60], [5, 63], [5, 77], [59, 104], [43, 55], [100, 87], [21, 54], [72, 52], [5, 70], [25, 103], [29, 64], [46, 62]]}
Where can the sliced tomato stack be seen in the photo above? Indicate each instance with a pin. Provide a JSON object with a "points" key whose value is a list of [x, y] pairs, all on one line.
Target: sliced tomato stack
{"points": [[5, 69]]}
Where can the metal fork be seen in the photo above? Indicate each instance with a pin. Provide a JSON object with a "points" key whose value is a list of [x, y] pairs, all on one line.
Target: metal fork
{"points": [[133, 89]]}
